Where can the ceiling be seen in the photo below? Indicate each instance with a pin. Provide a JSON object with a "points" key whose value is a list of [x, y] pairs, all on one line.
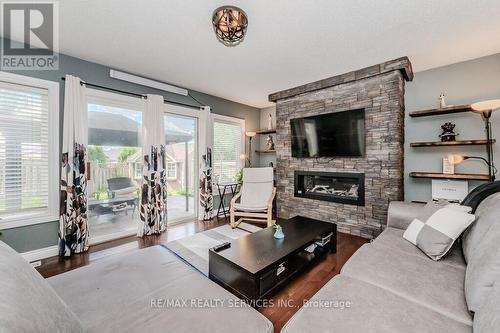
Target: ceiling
{"points": [[288, 43]]}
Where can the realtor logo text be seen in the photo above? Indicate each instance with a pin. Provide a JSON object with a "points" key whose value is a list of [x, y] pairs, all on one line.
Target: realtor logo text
{"points": [[30, 33]]}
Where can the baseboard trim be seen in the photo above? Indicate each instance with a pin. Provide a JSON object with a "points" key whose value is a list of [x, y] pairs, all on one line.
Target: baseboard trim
{"points": [[42, 253]]}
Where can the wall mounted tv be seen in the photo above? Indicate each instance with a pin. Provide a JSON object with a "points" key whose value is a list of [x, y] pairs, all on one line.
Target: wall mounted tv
{"points": [[338, 134]]}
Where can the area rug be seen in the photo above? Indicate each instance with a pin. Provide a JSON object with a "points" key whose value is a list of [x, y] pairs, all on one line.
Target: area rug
{"points": [[194, 249]]}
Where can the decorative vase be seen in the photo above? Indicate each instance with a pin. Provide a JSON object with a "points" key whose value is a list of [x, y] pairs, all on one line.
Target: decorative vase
{"points": [[278, 234]]}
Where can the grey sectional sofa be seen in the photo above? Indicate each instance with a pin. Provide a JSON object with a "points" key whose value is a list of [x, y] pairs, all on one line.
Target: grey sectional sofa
{"points": [[391, 286], [119, 293]]}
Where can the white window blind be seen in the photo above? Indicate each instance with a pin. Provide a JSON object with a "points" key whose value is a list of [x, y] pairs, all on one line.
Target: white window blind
{"points": [[25, 148], [227, 148]]}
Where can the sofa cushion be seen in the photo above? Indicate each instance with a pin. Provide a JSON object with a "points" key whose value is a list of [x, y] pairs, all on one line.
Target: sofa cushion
{"points": [[487, 216], [370, 309], [27, 302], [392, 238], [435, 230], [435, 285], [483, 269], [131, 292], [487, 318]]}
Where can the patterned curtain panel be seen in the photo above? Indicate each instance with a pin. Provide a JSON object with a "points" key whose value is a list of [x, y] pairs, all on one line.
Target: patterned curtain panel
{"points": [[73, 220], [206, 195], [154, 193]]}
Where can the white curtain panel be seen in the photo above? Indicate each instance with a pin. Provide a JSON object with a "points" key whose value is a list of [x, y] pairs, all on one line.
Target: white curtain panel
{"points": [[75, 127], [153, 126], [153, 207], [73, 218], [206, 198]]}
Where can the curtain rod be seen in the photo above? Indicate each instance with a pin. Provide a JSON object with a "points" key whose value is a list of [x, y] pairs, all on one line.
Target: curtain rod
{"points": [[137, 95]]}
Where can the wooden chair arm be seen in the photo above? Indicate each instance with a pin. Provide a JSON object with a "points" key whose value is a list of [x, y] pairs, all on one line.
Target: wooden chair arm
{"points": [[271, 199], [236, 197]]}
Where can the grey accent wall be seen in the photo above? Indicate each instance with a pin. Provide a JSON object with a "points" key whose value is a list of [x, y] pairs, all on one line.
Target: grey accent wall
{"points": [[462, 83], [38, 236]]}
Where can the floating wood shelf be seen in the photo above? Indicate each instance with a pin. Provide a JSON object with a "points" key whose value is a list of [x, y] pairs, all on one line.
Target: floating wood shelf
{"points": [[265, 151], [465, 176], [451, 143], [266, 131], [437, 112]]}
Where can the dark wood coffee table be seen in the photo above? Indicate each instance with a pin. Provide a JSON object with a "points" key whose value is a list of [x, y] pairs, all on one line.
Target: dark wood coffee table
{"points": [[257, 265]]}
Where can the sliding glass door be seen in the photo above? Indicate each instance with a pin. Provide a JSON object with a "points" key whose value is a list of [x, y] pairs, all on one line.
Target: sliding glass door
{"points": [[182, 146], [115, 164]]}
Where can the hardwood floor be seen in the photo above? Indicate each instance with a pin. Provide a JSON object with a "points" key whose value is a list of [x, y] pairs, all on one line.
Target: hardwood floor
{"points": [[57, 265], [293, 295]]}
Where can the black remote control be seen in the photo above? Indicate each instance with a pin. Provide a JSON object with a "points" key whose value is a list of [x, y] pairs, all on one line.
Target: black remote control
{"points": [[221, 247]]}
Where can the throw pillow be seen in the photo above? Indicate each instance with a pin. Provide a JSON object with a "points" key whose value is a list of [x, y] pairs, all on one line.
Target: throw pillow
{"points": [[437, 227]]}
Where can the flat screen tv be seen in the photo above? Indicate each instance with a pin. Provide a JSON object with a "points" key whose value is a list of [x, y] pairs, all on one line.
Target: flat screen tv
{"points": [[339, 134]]}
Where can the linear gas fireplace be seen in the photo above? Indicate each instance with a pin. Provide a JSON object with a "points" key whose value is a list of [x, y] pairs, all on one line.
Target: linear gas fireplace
{"points": [[341, 187]]}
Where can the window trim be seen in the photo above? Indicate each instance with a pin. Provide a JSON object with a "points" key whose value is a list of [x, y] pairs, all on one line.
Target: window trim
{"points": [[227, 120], [51, 213]]}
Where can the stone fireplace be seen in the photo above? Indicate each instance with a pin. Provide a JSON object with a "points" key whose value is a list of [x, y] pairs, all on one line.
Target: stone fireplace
{"points": [[341, 187], [314, 187]]}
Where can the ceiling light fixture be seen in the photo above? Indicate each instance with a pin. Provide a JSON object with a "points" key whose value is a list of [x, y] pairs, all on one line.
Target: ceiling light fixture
{"points": [[230, 25]]}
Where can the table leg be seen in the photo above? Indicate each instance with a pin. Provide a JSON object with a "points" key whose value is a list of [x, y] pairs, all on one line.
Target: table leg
{"points": [[221, 202]]}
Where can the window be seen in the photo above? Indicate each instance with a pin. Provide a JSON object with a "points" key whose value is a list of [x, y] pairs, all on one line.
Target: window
{"points": [[227, 148], [29, 141], [171, 170]]}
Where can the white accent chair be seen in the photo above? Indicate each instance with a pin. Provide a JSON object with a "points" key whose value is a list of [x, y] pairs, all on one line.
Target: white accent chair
{"points": [[254, 202]]}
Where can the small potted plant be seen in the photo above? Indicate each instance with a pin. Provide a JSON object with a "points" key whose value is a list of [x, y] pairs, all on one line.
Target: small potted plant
{"points": [[239, 178], [278, 234]]}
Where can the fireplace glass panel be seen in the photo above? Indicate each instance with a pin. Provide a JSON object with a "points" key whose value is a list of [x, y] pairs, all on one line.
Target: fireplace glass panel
{"points": [[331, 186]]}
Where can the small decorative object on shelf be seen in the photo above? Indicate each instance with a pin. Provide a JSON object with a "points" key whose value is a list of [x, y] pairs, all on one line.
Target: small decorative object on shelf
{"points": [[448, 132], [448, 166], [271, 164], [269, 143], [278, 234], [442, 101], [270, 122]]}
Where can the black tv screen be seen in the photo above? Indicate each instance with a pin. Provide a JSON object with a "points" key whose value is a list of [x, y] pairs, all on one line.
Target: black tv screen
{"points": [[339, 134]]}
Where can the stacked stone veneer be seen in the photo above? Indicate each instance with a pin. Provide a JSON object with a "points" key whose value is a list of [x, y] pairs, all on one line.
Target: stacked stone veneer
{"points": [[379, 90]]}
